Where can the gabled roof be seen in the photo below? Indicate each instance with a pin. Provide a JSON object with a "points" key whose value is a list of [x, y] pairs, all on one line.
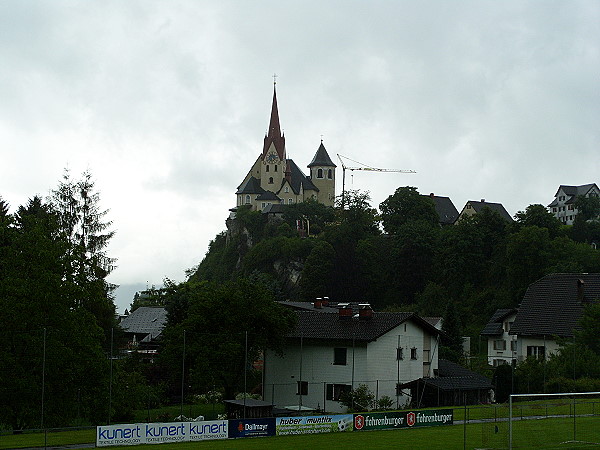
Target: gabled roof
{"points": [[322, 158], [318, 325], [147, 320], [445, 209], [494, 326], [298, 179], [454, 377], [498, 207], [251, 186], [573, 192], [553, 305]]}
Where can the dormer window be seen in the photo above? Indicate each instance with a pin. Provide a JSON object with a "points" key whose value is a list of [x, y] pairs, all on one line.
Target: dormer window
{"points": [[286, 189]]}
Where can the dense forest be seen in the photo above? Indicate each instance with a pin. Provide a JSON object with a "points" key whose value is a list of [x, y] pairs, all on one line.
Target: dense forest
{"points": [[399, 258]]}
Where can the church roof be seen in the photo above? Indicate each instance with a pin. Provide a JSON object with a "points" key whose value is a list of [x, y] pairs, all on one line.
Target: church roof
{"points": [[298, 179], [250, 186], [268, 195], [322, 158], [274, 134]]}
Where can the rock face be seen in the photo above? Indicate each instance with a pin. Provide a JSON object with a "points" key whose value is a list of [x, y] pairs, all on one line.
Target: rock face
{"points": [[286, 271]]}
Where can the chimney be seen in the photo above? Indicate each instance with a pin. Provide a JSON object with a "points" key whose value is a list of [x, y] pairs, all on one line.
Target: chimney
{"points": [[345, 313], [318, 303], [431, 195], [580, 285], [325, 301], [365, 312], [483, 200]]}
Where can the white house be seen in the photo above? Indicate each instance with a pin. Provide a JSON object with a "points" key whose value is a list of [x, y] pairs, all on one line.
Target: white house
{"points": [[329, 353], [551, 308], [563, 205], [502, 346]]}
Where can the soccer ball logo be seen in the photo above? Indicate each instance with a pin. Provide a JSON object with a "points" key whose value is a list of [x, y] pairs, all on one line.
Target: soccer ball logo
{"points": [[359, 422], [410, 419], [343, 424]]}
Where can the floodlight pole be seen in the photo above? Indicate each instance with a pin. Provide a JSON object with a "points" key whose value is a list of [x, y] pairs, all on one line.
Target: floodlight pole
{"points": [[182, 372], [43, 377]]}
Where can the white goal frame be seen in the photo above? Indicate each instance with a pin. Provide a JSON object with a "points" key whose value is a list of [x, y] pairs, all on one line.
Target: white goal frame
{"points": [[560, 394]]}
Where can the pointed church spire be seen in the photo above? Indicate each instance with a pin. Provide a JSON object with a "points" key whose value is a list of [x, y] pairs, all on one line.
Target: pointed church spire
{"points": [[274, 134]]}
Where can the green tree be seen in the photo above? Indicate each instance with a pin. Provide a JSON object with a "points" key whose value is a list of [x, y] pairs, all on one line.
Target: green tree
{"points": [[537, 215], [317, 275], [46, 341], [588, 208], [405, 205], [452, 340], [218, 320], [84, 224]]}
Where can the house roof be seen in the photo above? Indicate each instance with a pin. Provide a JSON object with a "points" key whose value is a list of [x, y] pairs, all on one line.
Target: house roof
{"points": [[147, 320], [322, 158], [494, 326], [553, 305], [572, 192], [498, 207], [317, 325], [445, 209], [452, 376], [274, 208]]}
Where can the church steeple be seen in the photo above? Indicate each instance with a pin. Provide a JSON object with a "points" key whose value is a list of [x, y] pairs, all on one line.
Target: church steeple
{"points": [[274, 135]]}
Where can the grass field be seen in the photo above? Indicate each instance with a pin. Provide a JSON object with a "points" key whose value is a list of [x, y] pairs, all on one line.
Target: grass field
{"points": [[543, 434], [546, 433]]}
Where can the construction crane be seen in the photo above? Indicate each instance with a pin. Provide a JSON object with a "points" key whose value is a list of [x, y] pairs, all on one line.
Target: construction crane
{"points": [[362, 167]]}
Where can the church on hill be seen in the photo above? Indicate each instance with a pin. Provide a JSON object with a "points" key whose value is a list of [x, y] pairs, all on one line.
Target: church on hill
{"points": [[274, 179]]}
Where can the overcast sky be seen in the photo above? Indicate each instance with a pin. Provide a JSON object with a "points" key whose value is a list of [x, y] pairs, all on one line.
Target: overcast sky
{"points": [[167, 103]]}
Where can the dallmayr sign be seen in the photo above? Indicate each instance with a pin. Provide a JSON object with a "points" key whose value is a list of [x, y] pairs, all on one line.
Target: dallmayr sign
{"points": [[402, 419], [160, 433]]}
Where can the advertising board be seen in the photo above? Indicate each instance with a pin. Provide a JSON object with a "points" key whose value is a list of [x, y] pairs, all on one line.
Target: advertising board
{"points": [[251, 427], [160, 433], [314, 424], [402, 419]]}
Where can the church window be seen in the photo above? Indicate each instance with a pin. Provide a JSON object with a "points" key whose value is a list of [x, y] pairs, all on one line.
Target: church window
{"points": [[270, 180], [275, 168], [330, 174], [267, 168], [287, 189], [319, 173], [290, 201], [247, 199]]}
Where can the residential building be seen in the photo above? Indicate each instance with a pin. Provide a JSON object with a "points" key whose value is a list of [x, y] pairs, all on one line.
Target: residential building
{"points": [[275, 179], [143, 327], [473, 207], [445, 209], [550, 310], [563, 205], [331, 352], [502, 346]]}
